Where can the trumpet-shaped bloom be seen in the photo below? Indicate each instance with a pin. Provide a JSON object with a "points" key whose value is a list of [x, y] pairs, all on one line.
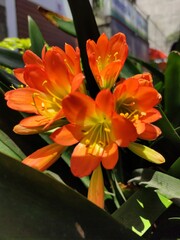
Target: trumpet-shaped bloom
{"points": [[97, 129], [44, 157], [106, 58], [47, 81], [135, 100]]}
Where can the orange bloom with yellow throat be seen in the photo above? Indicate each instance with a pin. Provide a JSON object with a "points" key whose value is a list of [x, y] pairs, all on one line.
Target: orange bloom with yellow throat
{"points": [[96, 129], [135, 99], [47, 81], [106, 58]]}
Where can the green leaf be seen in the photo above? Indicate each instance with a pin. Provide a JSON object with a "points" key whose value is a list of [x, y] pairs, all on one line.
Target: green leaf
{"points": [[141, 210], [162, 183], [9, 80], [167, 129], [9, 148], [174, 170], [37, 40], [86, 28], [61, 22], [129, 69], [172, 88], [10, 59], [36, 206]]}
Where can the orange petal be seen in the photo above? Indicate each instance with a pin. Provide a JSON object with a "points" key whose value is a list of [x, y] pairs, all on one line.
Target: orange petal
{"points": [[21, 99], [67, 135], [123, 130], [105, 101], [34, 121], [151, 132], [110, 156], [19, 74], [82, 163], [78, 108], [31, 58], [96, 188], [44, 157], [151, 116]]}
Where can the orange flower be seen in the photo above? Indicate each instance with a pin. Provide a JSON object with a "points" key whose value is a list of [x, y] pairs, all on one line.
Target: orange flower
{"points": [[48, 81], [44, 157], [106, 58], [135, 100], [97, 129]]}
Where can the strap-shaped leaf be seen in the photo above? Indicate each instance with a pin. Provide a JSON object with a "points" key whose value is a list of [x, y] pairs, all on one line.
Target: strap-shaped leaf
{"points": [[162, 183], [36, 37], [141, 210], [9, 80], [63, 23], [10, 59], [172, 88], [86, 28], [9, 148], [35, 206]]}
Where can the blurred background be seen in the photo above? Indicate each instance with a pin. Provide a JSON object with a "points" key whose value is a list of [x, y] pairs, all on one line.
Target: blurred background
{"points": [[151, 27]]}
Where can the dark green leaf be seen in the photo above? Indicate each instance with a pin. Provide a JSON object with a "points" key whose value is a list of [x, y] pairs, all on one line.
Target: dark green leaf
{"points": [[141, 210], [10, 59], [162, 183], [174, 170], [172, 88], [168, 130], [129, 69], [9, 148], [35, 206], [9, 80], [37, 40], [59, 21], [86, 28]]}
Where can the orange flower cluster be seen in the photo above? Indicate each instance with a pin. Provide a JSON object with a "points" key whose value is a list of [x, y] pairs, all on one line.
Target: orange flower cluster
{"points": [[54, 93]]}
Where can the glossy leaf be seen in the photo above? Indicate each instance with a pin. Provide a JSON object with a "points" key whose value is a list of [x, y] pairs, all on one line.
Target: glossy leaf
{"points": [[61, 22], [137, 214], [9, 80], [167, 129], [172, 88], [162, 183], [174, 170], [35, 206], [9, 148], [10, 59], [36, 37], [129, 69], [86, 28]]}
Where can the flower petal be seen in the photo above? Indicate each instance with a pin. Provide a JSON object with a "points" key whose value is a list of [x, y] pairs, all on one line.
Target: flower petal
{"points": [[150, 132], [123, 130], [96, 188], [21, 99], [67, 135], [105, 102], [82, 163], [110, 156], [78, 108], [44, 157]]}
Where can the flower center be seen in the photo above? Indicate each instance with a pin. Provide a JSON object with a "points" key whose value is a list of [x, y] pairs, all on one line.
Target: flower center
{"points": [[128, 109], [102, 63], [97, 137], [47, 104]]}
